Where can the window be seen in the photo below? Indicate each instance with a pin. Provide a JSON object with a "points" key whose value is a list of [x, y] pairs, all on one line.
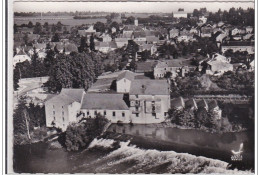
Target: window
{"points": [[165, 114], [63, 119], [83, 114], [53, 106], [136, 108], [124, 80], [62, 112], [53, 112], [54, 118], [62, 107], [95, 112], [105, 112], [87, 112], [114, 113], [123, 114], [154, 114], [136, 96], [137, 114]]}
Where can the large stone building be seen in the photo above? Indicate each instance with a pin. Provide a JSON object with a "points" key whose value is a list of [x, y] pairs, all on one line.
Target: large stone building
{"points": [[240, 46], [149, 101], [62, 109]]}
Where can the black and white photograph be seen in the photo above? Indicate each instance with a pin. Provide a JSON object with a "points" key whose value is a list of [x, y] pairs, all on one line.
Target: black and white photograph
{"points": [[131, 87]]}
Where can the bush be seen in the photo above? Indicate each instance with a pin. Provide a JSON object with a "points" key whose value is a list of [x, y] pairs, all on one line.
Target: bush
{"points": [[79, 135]]}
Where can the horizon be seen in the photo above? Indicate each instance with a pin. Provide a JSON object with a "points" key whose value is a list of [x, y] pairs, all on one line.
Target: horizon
{"points": [[126, 7]]}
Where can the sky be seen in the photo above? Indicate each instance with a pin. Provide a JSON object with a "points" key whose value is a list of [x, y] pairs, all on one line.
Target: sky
{"points": [[149, 7]]}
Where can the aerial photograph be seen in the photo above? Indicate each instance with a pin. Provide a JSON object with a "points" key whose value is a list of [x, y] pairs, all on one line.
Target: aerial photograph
{"points": [[132, 87]]}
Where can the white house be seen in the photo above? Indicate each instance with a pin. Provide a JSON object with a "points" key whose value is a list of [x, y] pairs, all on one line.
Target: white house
{"points": [[63, 109], [112, 106], [21, 56], [124, 80]]}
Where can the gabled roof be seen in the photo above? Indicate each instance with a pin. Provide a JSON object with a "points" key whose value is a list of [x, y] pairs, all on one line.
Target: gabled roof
{"points": [[145, 66], [71, 48], [191, 103], [152, 38], [21, 52], [75, 94], [149, 87], [103, 101], [126, 74], [178, 103]]}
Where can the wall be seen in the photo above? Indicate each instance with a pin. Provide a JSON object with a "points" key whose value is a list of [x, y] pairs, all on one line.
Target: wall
{"points": [[109, 114], [162, 105], [123, 85]]}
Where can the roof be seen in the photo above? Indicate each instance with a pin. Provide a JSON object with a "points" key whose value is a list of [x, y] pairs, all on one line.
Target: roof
{"points": [[139, 34], [190, 103], [173, 63], [149, 87], [202, 104], [21, 52], [177, 102], [71, 48], [103, 101], [126, 74], [40, 46], [145, 66], [152, 38], [76, 94]]}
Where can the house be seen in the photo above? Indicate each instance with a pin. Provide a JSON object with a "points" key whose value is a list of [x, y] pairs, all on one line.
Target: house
{"points": [[124, 80], [185, 38], [174, 33], [178, 104], [206, 31], [203, 19], [240, 46], [149, 47], [152, 39], [21, 56], [220, 23], [221, 37], [39, 46], [149, 101], [70, 48], [191, 104], [249, 29], [176, 66], [235, 31], [180, 14], [139, 37], [145, 67], [106, 38], [193, 30], [237, 37], [106, 47], [218, 65], [112, 106], [214, 109], [61, 110], [90, 30], [120, 42], [113, 30]]}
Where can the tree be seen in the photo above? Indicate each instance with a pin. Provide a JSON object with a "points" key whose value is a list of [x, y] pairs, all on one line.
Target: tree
{"points": [[92, 44], [46, 26], [79, 135], [59, 26], [100, 27], [201, 116], [83, 45], [55, 38], [30, 24], [15, 28], [37, 28], [76, 70]]}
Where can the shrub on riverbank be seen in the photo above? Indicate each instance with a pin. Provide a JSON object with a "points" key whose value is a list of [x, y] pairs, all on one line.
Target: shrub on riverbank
{"points": [[79, 135], [202, 120]]}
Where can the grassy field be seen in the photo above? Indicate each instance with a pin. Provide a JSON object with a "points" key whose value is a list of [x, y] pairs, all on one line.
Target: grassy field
{"points": [[68, 20]]}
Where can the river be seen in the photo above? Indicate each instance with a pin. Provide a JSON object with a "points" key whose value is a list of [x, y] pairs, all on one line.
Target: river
{"points": [[141, 149]]}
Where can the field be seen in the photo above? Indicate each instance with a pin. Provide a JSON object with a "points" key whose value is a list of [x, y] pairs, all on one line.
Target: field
{"points": [[66, 20]]}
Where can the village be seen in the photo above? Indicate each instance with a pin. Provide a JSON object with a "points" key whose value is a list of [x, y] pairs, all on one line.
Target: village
{"points": [[183, 68]]}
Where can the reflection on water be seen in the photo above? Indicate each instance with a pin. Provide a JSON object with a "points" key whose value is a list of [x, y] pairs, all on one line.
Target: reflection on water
{"points": [[38, 158]]}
